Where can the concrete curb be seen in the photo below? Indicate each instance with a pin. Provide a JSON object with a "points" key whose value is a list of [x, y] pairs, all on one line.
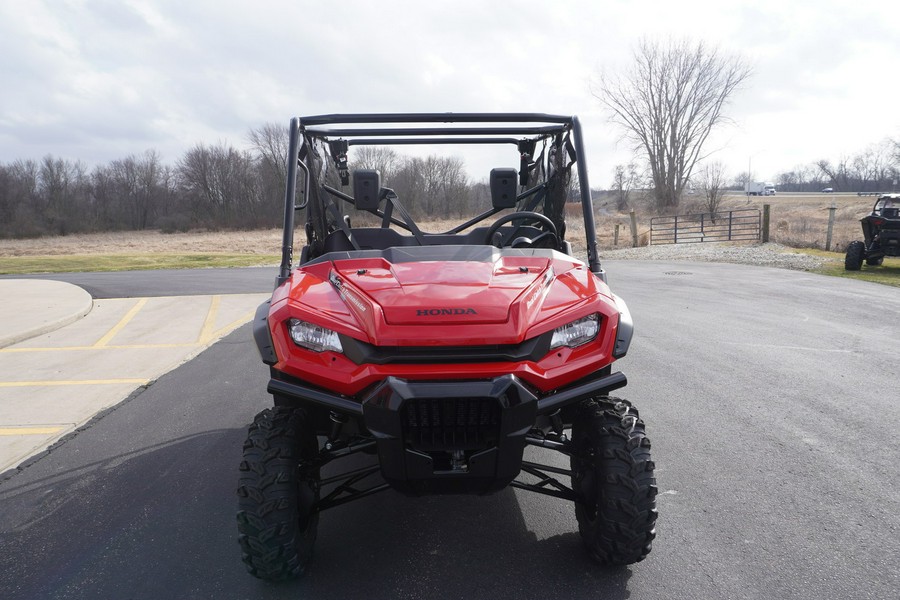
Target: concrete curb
{"points": [[33, 307]]}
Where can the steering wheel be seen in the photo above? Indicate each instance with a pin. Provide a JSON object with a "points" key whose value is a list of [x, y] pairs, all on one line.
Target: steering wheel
{"points": [[544, 220]]}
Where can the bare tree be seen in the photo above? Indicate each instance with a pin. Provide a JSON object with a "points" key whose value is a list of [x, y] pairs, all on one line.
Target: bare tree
{"points": [[222, 185], [625, 178], [712, 184], [7, 201], [573, 187], [787, 181], [871, 169], [838, 174], [270, 143], [434, 186], [807, 179], [384, 160], [62, 191], [104, 199], [741, 179], [668, 104], [136, 181], [21, 204]]}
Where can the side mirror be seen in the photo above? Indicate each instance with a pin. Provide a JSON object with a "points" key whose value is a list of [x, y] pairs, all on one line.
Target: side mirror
{"points": [[366, 188], [503, 188]]}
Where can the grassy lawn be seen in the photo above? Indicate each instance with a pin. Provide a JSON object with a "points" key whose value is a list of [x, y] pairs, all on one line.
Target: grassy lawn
{"points": [[19, 265], [886, 274]]}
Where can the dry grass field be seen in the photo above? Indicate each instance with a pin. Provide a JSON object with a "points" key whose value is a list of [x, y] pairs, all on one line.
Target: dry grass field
{"points": [[150, 242], [801, 220], [798, 220]]}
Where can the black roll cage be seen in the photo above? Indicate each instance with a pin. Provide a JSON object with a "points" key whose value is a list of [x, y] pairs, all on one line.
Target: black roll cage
{"points": [[445, 128]]}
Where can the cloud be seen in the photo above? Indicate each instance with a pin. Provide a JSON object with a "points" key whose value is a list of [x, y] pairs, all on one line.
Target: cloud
{"points": [[103, 79]]}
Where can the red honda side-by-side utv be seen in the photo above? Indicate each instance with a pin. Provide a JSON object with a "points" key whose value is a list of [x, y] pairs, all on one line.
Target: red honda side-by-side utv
{"points": [[441, 355]]}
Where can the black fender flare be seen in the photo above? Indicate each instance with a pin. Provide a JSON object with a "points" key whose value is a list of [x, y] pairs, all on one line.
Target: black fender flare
{"points": [[261, 334], [625, 331]]}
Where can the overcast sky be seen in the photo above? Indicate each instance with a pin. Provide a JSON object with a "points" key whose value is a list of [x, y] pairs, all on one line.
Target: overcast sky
{"points": [[99, 80]]}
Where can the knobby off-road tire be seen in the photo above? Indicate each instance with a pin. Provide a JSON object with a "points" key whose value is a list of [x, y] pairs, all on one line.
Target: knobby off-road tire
{"points": [[854, 259], [875, 262], [613, 475], [277, 493]]}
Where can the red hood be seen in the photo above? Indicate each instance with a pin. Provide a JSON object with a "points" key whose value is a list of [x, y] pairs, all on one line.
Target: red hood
{"points": [[444, 293], [453, 302]]}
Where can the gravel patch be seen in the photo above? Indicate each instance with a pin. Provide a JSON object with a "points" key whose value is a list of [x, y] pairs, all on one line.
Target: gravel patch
{"points": [[764, 255]]}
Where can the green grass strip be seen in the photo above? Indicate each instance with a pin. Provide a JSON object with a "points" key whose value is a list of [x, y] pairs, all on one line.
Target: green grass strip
{"points": [[887, 274], [21, 265]]}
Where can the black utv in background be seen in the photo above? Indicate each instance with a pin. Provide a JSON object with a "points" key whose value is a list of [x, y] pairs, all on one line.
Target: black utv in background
{"points": [[881, 230]]}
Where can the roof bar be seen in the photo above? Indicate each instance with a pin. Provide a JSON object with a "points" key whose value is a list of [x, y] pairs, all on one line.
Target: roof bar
{"points": [[451, 131], [448, 117], [430, 140]]}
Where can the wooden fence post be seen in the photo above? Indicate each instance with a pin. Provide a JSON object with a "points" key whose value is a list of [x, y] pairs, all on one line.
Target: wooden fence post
{"points": [[831, 210], [634, 240], [765, 223], [616, 236]]}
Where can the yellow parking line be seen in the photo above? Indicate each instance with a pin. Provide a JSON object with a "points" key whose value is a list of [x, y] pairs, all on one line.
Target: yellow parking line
{"points": [[121, 324], [108, 347], [206, 333], [9, 384], [234, 324], [7, 431]]}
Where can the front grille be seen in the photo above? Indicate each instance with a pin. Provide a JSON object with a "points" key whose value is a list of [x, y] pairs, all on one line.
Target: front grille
{"points": [[451, 423], [363, 353]]}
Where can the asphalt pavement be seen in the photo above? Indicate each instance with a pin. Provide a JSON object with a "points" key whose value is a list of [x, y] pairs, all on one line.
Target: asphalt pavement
{"points": [[70, 352], [770, 397]]}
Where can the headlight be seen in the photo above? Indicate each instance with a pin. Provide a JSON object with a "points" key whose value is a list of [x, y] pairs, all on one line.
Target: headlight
{"points": [[313, 337], [576, 333]]}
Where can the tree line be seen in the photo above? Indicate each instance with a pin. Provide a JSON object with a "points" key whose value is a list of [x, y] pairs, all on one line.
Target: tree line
{"points": [[874, 169], [209, 187], [219, 186]]}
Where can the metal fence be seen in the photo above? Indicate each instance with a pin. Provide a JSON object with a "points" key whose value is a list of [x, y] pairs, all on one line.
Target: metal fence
{"points": [[726, 226]]}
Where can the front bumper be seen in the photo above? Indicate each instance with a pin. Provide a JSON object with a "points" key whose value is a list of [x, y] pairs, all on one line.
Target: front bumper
{"points": [[450, 436]]}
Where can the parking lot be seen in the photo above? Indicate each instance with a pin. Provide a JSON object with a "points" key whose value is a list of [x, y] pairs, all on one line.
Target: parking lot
{"points": [[56, 381]]}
